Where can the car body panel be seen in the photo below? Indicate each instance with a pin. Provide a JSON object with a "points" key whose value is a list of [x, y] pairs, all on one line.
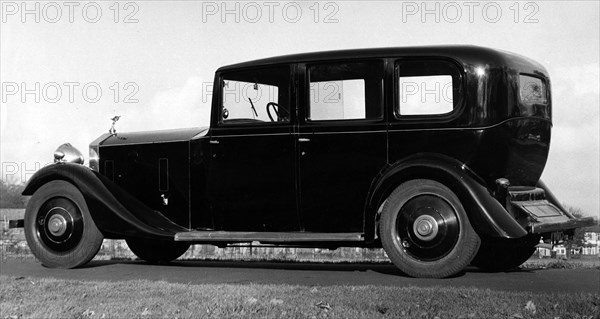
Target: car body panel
{"points": [[116, 213], [485, 213], [327, 177], [252, 178]]}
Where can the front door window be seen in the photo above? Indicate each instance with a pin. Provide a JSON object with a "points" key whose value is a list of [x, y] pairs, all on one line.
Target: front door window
{"points": [[260, 95]]}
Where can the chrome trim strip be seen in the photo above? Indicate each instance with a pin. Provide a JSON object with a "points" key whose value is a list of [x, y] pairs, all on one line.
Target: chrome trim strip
{"points": [[300, 133], [145, 143], [394, 130], [245, 135], [279, 237], [343, 132]]}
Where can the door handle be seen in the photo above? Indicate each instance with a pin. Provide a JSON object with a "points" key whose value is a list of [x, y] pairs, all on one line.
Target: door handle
{"points": [[304, 139], [213, 142]]}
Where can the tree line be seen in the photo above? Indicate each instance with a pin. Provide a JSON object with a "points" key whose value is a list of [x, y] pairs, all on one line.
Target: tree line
{"points": [[10, 195]]}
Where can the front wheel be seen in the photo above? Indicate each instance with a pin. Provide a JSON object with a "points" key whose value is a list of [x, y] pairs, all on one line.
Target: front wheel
{"points": [[425, 231], [59, 228], [157, 251]]}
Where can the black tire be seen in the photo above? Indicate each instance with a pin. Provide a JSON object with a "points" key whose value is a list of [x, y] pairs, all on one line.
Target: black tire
{"points": [[502, 254], [157, 251], [59, 228], [425, 231]]}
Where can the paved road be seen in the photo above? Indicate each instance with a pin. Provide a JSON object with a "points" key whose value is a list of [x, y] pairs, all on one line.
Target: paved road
{"points": [[310, 274]]}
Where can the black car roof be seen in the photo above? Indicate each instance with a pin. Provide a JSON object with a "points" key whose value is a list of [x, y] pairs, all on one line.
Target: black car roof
{"points": [[465, 54]]}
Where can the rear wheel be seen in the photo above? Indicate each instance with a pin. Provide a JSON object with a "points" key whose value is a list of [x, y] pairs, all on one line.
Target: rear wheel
{"points": [[502, 254], [425, 231], [59, 228], [157, 251]]}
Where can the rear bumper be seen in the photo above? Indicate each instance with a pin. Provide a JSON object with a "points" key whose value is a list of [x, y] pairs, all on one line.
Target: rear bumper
{"points": [[549, 227], [538, 215]]}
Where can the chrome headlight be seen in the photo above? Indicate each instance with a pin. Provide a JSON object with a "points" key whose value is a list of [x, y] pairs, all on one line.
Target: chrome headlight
{"points": [[66, 153]]}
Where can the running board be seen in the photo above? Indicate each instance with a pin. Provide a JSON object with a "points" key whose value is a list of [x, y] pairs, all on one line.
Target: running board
{"points": [[272, 237]]}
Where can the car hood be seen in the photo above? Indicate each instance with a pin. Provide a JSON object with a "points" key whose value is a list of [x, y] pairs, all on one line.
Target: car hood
{"points": [[151, 137]]}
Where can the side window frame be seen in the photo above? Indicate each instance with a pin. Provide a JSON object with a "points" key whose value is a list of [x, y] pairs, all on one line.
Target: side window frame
{"points": [[305, 99], [217, 107], [428, 118]]}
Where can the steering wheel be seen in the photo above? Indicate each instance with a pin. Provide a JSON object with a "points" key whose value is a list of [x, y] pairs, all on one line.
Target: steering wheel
{"points": [[276, 108]]}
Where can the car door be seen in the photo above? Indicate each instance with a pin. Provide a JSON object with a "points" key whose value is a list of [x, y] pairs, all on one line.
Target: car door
{"points": [[252, 173], [341, 142]]}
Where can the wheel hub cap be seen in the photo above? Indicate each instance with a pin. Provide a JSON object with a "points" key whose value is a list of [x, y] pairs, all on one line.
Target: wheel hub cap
{"points": [[57, 225], [425, 227]]}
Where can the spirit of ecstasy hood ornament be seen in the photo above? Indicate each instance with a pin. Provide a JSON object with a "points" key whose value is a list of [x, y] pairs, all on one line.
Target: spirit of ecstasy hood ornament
{"points": [[112, 129]]}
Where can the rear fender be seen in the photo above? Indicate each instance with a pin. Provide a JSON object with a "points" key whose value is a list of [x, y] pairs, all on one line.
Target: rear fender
{"points": [[116, 213], [487, 216]]}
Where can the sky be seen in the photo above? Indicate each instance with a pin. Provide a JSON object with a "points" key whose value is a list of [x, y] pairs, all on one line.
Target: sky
{"points": [[66, 68]]}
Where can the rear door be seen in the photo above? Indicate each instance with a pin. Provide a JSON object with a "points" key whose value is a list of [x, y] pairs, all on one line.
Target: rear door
{"points": [[341, 142]]}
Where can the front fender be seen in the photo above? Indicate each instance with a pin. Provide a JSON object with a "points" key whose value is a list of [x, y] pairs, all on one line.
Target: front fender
{"points": [[116, 213], [485, 213]]}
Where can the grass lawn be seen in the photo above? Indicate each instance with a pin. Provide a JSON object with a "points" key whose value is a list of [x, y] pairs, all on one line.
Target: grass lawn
{"points": [[22, 297], [49, 298], [557, 263]]}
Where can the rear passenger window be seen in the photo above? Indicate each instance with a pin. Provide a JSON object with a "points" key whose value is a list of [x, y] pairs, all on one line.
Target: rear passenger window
{"points": [[427, 87], [345, 91]]}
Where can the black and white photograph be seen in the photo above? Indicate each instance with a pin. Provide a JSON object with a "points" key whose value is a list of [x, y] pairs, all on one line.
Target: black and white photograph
{"points": [[299, 159]]}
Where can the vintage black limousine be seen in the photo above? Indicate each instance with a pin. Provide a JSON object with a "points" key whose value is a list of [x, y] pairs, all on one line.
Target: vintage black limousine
{"points": [[433, 153]]}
